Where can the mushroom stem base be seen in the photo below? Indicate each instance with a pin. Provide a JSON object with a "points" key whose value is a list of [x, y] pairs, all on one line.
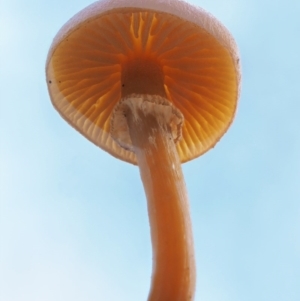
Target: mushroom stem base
{"points": [[173, 277]]}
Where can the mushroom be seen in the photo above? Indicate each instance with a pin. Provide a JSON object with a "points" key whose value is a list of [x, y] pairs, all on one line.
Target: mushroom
{"points": [[154, 83]]}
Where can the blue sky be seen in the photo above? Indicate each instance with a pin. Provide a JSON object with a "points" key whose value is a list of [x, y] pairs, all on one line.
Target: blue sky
{"points": [[73, 219]]}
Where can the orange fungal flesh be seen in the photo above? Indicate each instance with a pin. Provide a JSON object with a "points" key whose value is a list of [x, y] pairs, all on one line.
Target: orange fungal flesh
{"points": [[173, 277], [142, 76], [86, 71]]}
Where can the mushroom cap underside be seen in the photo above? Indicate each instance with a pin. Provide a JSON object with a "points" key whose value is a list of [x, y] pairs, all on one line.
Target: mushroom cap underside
{"points": [[198, 57]]}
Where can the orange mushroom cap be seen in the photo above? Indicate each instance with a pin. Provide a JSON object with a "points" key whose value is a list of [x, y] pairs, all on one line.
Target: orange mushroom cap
{"points": [[197, 56]]}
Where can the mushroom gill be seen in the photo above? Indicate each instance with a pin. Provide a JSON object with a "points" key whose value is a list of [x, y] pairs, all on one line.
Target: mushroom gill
{"points": [[87, 70]]}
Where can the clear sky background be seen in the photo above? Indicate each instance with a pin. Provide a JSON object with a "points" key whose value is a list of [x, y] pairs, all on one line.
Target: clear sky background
{"points": [[74, 223]]}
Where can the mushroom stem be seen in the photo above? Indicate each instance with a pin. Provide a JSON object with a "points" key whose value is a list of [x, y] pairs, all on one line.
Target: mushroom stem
{"points": [[173, 275]]}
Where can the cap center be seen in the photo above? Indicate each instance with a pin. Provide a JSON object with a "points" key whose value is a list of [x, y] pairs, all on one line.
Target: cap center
{"points": [[142, 76]]}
